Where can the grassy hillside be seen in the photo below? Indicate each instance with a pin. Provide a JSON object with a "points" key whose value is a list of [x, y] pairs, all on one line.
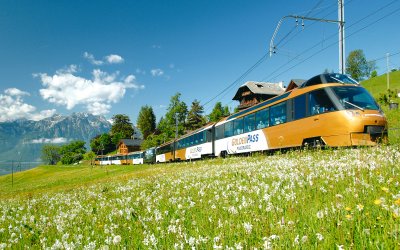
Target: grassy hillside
{"points": [[348, 198], [378, 85]]}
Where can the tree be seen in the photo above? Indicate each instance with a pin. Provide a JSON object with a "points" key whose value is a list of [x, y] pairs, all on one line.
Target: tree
{"points": [[89, 156], [226, 111], [122, 126], [146, 121], [102, 144], [358, 66], [50, 154], [218, 112], [72, 152], [195, 118], [374, 74], [176, 115]]}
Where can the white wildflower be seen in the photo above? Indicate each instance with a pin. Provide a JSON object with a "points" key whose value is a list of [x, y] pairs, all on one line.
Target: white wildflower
{"points": [[117, 239], [248, 227]]}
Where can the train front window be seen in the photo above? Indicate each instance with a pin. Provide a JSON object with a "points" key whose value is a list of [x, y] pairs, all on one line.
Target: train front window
{"points": [[355, 98], [319, 102]]}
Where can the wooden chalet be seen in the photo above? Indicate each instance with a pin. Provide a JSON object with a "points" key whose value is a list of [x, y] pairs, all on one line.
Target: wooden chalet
{"points": [[126, 146], [251, 93], [294, 83]]}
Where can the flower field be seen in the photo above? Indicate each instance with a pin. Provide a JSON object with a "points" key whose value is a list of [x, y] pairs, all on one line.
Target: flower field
{"points": [[336, 199]]}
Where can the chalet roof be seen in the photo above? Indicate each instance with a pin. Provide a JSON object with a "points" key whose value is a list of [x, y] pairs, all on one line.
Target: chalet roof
{"points": [[263, 88], [298, 82], [131, 142], [294, 83]]}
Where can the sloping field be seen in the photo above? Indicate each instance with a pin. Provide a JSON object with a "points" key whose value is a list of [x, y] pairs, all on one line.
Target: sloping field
{"points": [[378, 85], [347, 198]]}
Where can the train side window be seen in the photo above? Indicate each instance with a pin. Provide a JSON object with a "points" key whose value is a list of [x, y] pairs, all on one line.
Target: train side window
{"points": [[219, 132], [209, 135], [262, 118], [249, 123], [228, 129], [299, 107], [319, 102], [278, 114], [238, 126]]}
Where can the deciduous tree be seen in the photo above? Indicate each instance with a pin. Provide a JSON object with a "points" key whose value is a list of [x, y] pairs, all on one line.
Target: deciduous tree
{"points": [[357, 65], [50, 154]]}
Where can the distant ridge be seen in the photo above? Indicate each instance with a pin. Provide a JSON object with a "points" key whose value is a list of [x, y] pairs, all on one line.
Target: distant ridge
{"points": [[22, 140]]}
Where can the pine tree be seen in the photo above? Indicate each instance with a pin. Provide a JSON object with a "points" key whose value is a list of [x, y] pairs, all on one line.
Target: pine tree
{"points": [[146, 121], [217, 113], [195, 118], [122, 127]]}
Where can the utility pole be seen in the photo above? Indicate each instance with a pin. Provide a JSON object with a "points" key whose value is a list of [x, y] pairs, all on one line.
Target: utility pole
{"points": [[342, 63], [340, 22], [12, 173], [387, 73]]}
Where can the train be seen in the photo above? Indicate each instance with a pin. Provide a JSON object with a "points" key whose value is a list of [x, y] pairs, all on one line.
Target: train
{"points": [[327, 110]]}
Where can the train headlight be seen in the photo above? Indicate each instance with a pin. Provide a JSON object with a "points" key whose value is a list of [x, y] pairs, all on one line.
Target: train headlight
{"points": [[353, 113]]}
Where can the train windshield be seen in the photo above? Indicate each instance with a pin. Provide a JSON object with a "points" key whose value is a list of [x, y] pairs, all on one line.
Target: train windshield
{"points": [[330, 78], [355, 98]]}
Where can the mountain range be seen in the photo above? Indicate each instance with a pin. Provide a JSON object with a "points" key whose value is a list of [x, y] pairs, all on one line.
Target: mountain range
{"points": [[22, 140]]}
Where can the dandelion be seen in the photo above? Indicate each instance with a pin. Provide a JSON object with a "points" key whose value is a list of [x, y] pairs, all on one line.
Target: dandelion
{"points": [[348, 208], [385, 189], [348, 216], [360, 207], [304, 239], [397, 202], [378, 202]]}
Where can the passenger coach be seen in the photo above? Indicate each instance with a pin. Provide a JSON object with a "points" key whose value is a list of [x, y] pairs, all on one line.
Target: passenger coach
{"points": [[328, 109]]}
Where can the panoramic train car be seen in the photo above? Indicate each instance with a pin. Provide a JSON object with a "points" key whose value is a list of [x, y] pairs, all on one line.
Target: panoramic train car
{"points": [[135, 158], [165, 152], [328, 109], [196, 144]]}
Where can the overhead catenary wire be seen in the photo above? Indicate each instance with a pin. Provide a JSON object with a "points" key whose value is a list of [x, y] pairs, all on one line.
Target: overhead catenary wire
{"points": [[264, 57], [273, 75], [256, 64], [261, 60]]}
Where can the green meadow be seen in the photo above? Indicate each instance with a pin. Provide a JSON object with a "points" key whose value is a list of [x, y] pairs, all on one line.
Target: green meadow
{"points": [[345, 198]]}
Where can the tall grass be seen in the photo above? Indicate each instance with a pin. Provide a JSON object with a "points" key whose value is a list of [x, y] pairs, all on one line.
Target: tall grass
{"points": [[347, 198]]}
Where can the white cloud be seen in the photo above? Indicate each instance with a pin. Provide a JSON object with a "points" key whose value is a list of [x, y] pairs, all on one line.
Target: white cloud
{"points": [[113, 59], [157, 72], [96, 94], [91, 59], [110, 59], [98, 108], [140, 71], [15, 92], [13, 107], [57, 140]]}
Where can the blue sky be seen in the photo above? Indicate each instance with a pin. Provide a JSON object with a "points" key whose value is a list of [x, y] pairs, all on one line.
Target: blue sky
{"points": [[110, 57]]}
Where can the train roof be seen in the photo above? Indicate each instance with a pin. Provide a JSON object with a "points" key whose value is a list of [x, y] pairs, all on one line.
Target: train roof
{"points": [[329, 78]]}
